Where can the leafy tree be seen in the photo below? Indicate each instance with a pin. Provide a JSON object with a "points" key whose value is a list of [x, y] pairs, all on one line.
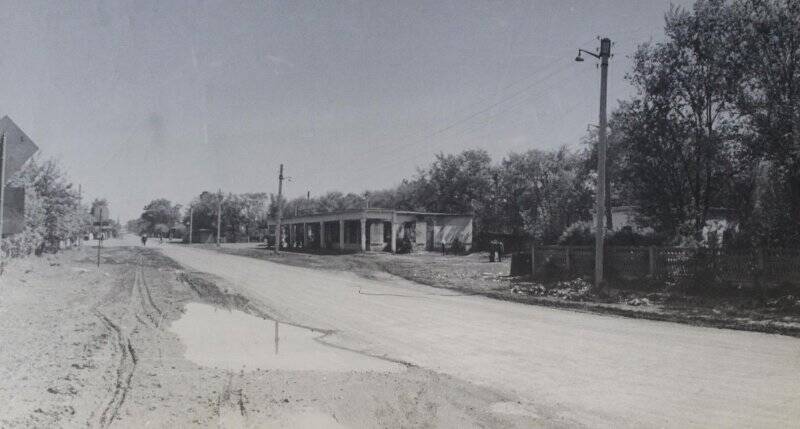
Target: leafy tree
{"points": [[768, 43], [541, 193], [204, 209], [679, 131], [53, 212], [159, 216]]}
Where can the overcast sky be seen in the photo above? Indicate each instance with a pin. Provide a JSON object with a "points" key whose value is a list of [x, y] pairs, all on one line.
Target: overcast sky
{"points": [[165, 99]]}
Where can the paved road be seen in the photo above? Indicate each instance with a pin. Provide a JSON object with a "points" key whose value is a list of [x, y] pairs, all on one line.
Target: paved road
{"points": [[588, 369]]}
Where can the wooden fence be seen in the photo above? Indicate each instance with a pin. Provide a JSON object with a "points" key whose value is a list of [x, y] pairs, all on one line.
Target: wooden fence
{"points": [[767, 265]]}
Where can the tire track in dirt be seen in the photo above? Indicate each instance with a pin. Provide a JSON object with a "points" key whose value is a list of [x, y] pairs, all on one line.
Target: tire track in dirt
{"points": [[125, 370], [146, 296], [140, 309], [231, 403]]}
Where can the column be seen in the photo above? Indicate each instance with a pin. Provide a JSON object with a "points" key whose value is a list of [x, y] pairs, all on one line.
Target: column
{"points": [[322, 235], [291, 236], [341, 235], [363, 234], [305, 235], [394, 232]]}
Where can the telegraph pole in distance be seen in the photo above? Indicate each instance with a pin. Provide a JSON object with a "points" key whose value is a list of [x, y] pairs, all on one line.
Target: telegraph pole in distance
{"points": [[100, 237], [600, 195], [280, 212], [191, 222], [219, 214]]}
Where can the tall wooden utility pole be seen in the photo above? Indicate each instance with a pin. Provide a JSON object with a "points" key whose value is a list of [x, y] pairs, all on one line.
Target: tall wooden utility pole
{"points": [[2, 179], [280, 212], [600, 195], [219, 214]]}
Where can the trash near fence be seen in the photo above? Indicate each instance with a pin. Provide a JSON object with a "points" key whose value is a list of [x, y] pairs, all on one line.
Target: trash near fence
{"points": [[754, 266]]}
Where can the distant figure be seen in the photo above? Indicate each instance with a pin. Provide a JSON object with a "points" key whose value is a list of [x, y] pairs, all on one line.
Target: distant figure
{"points": [[160, 238], [144, 239], [496, 250]]}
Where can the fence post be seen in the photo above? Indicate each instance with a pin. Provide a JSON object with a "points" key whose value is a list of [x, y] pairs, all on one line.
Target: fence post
{"points": [[567, 259], [533, 259], [652, 261]]}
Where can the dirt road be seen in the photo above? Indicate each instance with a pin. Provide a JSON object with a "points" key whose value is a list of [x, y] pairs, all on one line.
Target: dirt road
{"points": [[581, 369], [140, 342]]}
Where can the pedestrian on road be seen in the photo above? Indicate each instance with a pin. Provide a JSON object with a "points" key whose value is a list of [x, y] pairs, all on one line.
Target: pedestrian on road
{"points": [[144, 239]]}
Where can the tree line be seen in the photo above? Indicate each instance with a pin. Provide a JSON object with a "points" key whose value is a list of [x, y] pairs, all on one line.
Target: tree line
{"points": [[714, 121]]}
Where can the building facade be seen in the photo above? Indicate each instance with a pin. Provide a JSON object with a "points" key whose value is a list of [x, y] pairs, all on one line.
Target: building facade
{"points": [[376, 230]]}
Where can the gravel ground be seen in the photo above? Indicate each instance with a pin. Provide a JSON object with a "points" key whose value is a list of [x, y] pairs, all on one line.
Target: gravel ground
{"points": [[92, 347]]}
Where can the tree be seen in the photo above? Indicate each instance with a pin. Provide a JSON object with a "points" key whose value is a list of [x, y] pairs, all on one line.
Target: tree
{"points": [[679, 132], [204, 211], [53, 212], [541, 193], [768, 43], [159, 216], [453, 182]]}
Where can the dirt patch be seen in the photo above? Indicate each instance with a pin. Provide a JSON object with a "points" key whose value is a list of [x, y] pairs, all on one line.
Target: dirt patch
{"points": [[88, 346]]}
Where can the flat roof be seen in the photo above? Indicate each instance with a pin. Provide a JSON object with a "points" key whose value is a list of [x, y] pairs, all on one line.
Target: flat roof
{"points": [[375, 210]]}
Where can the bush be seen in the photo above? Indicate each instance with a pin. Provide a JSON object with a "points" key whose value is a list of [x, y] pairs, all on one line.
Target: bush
{"points": [[578, 234], [582, 234], [628, 237], [20, 245]]}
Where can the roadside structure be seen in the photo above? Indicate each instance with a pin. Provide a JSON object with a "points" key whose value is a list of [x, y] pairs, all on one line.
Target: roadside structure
{"points": [[375, 229]]}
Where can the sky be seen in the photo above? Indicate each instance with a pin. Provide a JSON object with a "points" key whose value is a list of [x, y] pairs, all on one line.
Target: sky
{"points": [[141, 100]]}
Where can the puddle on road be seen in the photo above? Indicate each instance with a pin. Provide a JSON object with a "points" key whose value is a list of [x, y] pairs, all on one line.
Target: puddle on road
{"points": [[235, 340]]}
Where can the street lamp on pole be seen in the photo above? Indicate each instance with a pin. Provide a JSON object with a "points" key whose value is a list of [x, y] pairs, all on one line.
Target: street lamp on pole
{"points": [[600, 195]]}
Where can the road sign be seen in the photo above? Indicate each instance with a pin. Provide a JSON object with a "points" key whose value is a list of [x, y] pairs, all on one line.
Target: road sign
{"points": [[19, 147]]}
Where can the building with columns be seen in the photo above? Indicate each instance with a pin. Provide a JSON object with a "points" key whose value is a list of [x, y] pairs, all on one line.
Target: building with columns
{"points": [[376, 230]]}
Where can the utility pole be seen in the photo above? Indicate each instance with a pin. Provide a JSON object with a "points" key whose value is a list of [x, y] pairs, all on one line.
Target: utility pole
{"points": [[99, 237], [219, 214], [191, 222], [2, 180], [280, 212], [80, 207], [600, 195]]}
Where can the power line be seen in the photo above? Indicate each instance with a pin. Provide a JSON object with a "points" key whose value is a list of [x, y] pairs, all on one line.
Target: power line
{"points": [[458, 122]]}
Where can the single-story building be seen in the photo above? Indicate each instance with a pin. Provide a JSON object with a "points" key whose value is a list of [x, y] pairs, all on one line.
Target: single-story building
{"points": [[376, 229]]}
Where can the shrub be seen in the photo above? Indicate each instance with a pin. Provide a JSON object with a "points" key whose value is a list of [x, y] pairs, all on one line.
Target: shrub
{"points": [[22, 244], [578, 234]]}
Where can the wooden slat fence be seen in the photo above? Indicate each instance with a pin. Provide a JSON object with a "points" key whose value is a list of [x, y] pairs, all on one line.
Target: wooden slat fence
{"points": [[635, 262]]}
